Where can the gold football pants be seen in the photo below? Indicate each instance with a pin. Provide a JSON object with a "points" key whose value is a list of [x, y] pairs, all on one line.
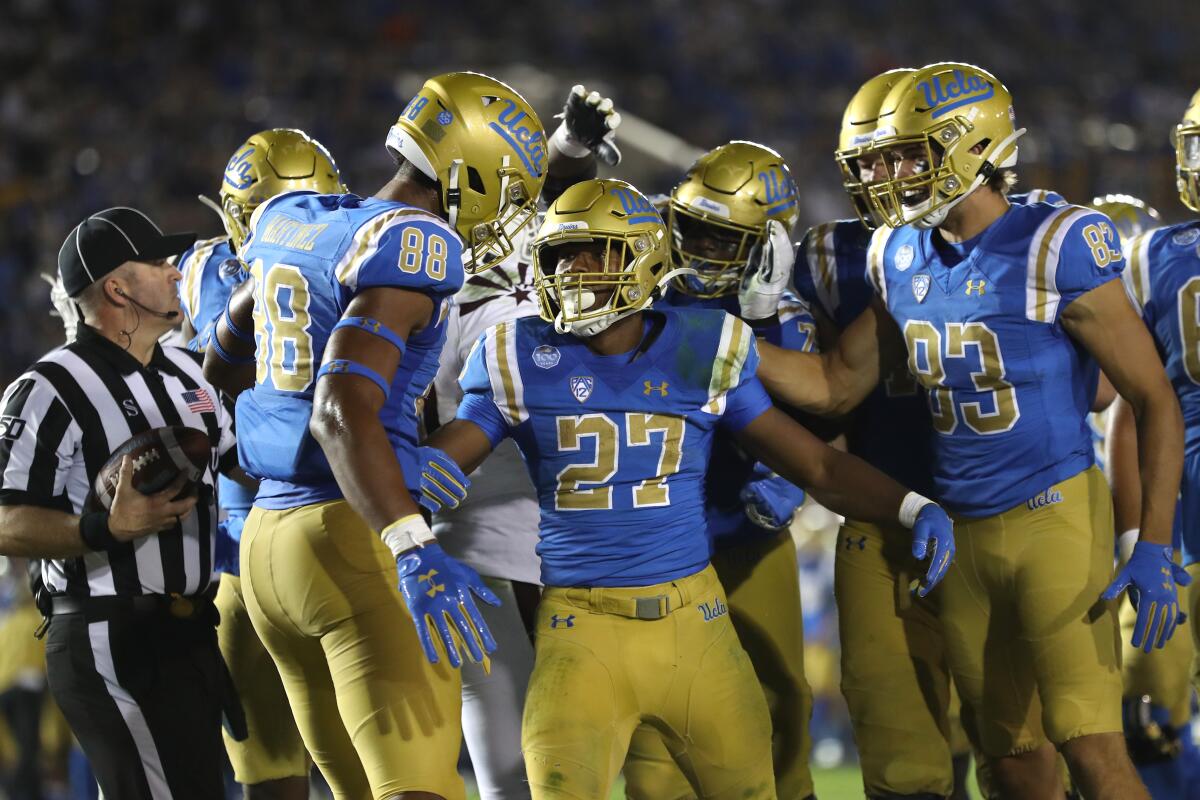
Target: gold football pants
{"points": [[274, 749], [762, 581], [1022, 618], [376, 716], [609, 660], [895, 677]]}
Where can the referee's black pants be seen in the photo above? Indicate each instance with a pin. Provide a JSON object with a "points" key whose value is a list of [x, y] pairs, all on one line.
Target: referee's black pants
{"points": [[142, 694]]}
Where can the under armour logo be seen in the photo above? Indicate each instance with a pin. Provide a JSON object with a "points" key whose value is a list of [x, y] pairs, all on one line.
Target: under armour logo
{"points": [[434, 588], [975, 286], [371, 325], [567, 622], [861, 541], [661, 388]]}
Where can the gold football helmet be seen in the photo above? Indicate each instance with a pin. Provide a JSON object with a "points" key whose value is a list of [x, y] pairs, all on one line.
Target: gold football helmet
{"points": [[1186, 138], [628, 257], [954, 125], [486, 147], [1130, 215], [720, 210], [858, 132], [269, 163]]}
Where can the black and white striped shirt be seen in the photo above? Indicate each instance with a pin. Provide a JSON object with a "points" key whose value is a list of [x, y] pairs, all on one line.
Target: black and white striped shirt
{"points": [[64, 417]]}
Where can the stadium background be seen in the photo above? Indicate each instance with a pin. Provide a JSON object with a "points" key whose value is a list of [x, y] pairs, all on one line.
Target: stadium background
{"points": [[141, 103]]}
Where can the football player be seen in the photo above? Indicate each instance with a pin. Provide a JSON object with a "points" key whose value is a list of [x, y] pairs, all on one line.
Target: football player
{"points": [[272, 761], [494, 530], [736, 203], [341, 326], [1003, 312], [613, 407], [1163, 280], [894, 673]]}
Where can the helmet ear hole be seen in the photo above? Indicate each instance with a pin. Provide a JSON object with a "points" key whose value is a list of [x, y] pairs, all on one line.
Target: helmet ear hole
{"points": [[475, 181]]}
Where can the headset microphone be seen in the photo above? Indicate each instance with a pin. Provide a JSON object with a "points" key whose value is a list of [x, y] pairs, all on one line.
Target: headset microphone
{"points": [[159, 314]]}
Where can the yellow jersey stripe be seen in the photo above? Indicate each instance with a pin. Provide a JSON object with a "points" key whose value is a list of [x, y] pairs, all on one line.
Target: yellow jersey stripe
{"points": [[503, 333]]}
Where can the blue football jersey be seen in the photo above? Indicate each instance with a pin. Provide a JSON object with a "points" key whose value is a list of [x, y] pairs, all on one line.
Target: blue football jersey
{"points": [[890, 429], [211, 272], [1008, 390], [1163, 280], [309, 255], [730, 468], [617, 446]]}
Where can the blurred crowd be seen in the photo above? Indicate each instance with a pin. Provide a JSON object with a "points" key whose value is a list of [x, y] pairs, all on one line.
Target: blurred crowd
{"points": [[141, 102]]}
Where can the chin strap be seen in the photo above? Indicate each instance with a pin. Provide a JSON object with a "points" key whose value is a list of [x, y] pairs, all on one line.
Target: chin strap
{"points": [[590, 327]]}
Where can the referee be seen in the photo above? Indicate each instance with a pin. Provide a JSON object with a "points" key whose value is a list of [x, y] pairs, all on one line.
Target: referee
{"points": [[132, 652]]}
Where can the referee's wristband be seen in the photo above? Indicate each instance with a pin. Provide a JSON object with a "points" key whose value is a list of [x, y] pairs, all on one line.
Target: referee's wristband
{"points": [[407, 533], [93, 529]]}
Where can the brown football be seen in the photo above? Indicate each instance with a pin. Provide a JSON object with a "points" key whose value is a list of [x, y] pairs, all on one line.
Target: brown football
{"points": [[159, 455]]}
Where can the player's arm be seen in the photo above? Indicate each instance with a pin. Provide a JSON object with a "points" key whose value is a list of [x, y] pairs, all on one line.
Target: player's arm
{"points": [[849, 486], [1104, 322], [346, 404], [229, 357], [1120, 441], [464, 442], [34, 531], [1106, 393], [835, 382], [587, 134]]}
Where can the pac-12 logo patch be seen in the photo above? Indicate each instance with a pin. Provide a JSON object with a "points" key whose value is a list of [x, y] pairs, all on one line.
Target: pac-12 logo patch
{"points": [[920, 286], [904, 257], [581, 387], [546, 356]]}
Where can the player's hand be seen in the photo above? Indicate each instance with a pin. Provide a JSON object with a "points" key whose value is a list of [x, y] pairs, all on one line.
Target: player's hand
{"points": [[1153, 579], [133, 515], [768, 273], [589, 126], [438, 590], [933, 538], [770, 499], [443, 484]]}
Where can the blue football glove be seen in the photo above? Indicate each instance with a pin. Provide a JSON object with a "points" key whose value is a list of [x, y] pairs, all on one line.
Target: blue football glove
{"points": [[443, 484], [1153, 580], [438, 591], [933, 537], [228, 540], [770, 500]]}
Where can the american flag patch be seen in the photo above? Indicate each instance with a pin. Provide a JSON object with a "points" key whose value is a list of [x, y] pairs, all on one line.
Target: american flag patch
{"points": [[199, 401]]}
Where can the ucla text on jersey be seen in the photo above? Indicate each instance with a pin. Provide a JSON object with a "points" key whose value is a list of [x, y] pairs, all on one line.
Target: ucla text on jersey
{"points": [[309, 255], [1008, 390], [1163, 281], [617, 447]]}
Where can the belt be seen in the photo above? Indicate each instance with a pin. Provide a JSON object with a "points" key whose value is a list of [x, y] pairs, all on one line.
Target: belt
{"points": [[656, 603], [106, 607]]}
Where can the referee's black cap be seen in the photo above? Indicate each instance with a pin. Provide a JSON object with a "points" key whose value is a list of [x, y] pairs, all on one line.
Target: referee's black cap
{"points": [[109, 238]]}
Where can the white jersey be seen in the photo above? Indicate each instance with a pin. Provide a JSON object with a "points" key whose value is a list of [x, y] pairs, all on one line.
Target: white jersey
{"points": [[495, 530]]}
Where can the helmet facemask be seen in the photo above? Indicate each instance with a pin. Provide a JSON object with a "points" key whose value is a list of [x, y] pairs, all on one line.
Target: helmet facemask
{"points": [[491, 241], [625, 280], [1186, 138], [717, 271], [937, 181]]}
